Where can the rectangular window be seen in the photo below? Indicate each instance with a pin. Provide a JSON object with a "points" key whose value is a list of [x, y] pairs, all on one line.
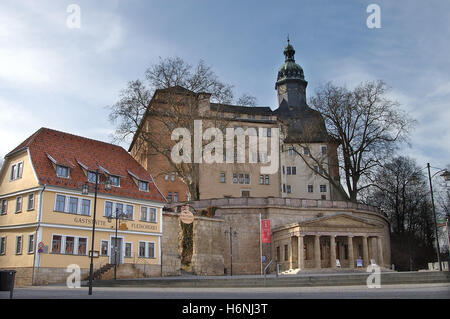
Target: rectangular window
{"points": [[18, 204], [288, 170], [286, 252], [150, 250], [175, 197], [283, 170], [305, 151], [241, 178], [288, 189], [16, 171], [172, 178], [141, 249], [56, 244], [267, 180], [82, 246], [143, 213], [108, 209], [91, 176], [2, 245], [323, 188], [62, 171], [128, 250], [152, 215], [222, 177], [284, 188], [294, 170], [18, 245], [119, 209], [73, 205], [278, 254], [166, 177], [70, 244], [324, 150], [115, 180], [30, 244], [130, 212], [104, 248], [143, 186], [60, 203], [30, 202], [310, 189], [169, 197], [4, 207], [247, 178], [261, 179], [86, 207]]}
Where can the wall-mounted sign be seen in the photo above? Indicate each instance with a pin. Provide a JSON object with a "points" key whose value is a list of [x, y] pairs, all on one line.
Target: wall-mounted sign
{"points": [[123, 226], [186, 215]]}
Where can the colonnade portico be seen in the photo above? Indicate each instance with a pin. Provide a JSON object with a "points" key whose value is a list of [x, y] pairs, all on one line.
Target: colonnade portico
{"points": [[320, 244]]}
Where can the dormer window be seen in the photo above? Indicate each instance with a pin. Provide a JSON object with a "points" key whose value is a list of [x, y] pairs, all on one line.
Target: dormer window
{"points": [[92, 176], [62, 171], [115, 180], [143, 186]]}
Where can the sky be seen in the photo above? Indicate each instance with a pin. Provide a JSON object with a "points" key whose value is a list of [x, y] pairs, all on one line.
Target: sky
{"points": [[55, 76]]}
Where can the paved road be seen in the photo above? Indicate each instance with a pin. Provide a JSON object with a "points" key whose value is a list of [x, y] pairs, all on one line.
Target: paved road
{"points": [[411, 291]]}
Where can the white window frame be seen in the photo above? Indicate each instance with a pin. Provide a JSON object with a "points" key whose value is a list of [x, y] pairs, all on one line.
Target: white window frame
{"points": [[21, 205], [3, 245], [68, 171], [4, 212], [31, 247], [146, 245], [125, 249], [146, 183], [67, 202], [18, 171], [32, 196], [76, 242], [21, 245], [107, 247]]}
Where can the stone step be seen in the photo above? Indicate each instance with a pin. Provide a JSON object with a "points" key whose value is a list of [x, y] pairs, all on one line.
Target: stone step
{"points": [[284, 281]]}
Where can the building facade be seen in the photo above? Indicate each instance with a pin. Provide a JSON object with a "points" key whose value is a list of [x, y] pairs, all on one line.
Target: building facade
{"points": [[305, 150], [46, 219]]}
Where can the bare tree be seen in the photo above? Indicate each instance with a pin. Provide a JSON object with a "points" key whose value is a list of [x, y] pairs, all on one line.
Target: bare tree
{"points": [[366, 125], [246, 100], [171, 98]]}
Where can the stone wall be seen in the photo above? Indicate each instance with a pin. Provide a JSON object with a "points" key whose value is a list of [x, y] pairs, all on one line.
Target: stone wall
{"points": [[207, 254], [171, 257], [243, 214], [42, 276]]}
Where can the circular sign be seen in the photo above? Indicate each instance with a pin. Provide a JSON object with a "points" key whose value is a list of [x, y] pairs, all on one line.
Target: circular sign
{"points": [[186, 215], [41, 245]]}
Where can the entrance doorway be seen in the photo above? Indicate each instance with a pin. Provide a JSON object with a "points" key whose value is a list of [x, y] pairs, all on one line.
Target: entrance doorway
{"points": [[116, 256]]}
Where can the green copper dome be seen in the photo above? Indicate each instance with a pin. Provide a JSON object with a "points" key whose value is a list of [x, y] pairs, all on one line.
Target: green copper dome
{"points": [[290, 69]]}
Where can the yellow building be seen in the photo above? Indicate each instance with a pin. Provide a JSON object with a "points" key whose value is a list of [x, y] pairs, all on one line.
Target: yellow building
{"points": [[46, 219]]}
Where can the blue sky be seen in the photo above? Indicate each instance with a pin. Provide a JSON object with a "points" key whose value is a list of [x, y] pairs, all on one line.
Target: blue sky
{"points": [[62, 78]]}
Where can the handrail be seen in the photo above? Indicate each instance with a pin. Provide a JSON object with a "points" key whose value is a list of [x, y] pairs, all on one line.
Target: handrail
{"points": [[265, 269]]}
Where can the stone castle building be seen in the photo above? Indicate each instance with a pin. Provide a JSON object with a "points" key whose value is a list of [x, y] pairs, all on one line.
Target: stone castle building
{"points": [[312, 226]]}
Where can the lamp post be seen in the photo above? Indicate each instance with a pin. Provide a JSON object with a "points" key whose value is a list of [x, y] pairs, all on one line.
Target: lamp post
{"points": [[231, 232], [85, 191], [446, 176], [117, 216]]}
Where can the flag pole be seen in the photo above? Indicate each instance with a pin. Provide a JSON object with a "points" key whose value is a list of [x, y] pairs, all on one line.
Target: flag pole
{"points": [[260, 244]]}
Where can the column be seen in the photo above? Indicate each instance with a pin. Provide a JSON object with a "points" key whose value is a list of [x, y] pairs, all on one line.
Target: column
{"points": [[317, 261], [351, 257], [333, 251], [365, 251], [291, 253], [301, 253], [380, 252]]}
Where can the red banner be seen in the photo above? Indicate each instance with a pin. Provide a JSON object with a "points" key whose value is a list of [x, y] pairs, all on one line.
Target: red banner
{"points": [[265, 231]]}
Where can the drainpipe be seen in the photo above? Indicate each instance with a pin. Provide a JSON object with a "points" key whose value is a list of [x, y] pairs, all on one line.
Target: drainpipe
{"points": [[36, 236]]}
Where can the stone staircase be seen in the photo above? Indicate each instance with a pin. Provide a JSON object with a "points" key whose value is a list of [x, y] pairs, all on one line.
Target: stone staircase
{"points": [[298, 280], [102, 270]]}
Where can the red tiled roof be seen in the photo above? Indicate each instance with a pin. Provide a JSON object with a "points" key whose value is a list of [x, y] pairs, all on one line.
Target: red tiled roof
{"points": [[70, 150]]}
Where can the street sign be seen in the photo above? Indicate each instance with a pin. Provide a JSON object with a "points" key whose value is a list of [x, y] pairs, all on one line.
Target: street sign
{"points": [[263, 259], [186, 215]]}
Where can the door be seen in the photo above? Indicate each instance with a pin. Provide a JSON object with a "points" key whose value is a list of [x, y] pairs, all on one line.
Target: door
{"points": [[116, 251]]}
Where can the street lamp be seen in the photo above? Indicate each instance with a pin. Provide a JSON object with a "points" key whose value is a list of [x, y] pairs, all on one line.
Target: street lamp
{"points": [[446, 176], [231, 232], [85, 191], [118, 215]]}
